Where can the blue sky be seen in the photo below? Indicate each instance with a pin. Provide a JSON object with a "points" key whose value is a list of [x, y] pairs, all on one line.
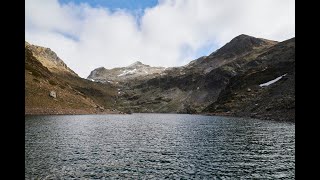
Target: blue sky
{"points": [[117, 4], [158, 33]]}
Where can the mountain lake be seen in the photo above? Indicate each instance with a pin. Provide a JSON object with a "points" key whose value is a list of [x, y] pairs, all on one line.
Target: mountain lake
{"points": [[157, 146]]}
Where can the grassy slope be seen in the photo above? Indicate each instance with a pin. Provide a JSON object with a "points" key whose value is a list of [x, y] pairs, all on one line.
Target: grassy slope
{"points": [[39, 81]]}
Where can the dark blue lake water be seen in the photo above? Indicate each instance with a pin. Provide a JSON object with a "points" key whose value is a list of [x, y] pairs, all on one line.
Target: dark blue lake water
{"points": [[157, 146]]}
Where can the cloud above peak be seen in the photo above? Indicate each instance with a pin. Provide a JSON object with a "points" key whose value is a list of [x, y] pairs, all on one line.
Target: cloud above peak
{"points": [[172, 33]]}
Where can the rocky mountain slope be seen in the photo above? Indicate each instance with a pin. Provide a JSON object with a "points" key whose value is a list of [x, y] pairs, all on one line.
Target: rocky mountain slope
{"points": [[242, 46], [225, 82], [137, 70], [46, 74], [263, 88], [49, 59]]}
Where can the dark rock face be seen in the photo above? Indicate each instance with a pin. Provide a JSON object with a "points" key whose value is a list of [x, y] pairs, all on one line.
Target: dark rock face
{"points": [[275, 101]]}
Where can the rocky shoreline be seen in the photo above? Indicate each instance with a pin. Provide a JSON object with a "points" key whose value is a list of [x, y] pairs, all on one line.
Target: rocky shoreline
{"points": [[55, 111], [45, 111], [252, 116]]}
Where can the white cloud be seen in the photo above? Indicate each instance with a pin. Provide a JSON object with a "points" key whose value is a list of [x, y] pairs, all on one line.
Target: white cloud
{"points": [[169, 34]]}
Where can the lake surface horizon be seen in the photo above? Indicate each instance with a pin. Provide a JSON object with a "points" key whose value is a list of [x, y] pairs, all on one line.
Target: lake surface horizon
{"points": [[157, 146]]}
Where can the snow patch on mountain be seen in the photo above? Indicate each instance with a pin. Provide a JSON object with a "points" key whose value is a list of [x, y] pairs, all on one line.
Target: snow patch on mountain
{"points": [[127, 72], [272, 81]]}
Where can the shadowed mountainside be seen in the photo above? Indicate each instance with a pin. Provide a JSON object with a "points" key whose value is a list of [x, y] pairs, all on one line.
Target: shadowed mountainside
{"points": [[208, 84], [263, 88]]}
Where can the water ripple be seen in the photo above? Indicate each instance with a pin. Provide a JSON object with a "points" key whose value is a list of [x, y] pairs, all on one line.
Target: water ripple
{"points": [[157, 146]]}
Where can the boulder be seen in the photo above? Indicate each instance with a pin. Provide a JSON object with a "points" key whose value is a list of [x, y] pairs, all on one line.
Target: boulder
{"points": [[53, 94]]}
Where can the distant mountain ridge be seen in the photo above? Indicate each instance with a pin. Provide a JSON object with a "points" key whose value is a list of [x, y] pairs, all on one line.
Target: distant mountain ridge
{"points": [[120, 74], [238, 47]]}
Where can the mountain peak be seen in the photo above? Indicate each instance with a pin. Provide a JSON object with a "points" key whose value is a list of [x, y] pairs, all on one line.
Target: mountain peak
{"points": [[101, 68], [242, 44], [49, 59], [244, 39], [137, 64], [242, 36]]}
